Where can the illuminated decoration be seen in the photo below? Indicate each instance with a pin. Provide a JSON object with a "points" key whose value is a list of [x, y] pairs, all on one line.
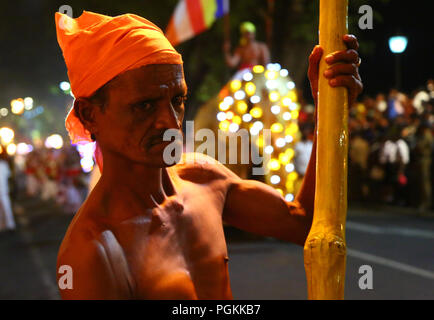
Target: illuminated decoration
{"points": [[289, 167], [224, 125], [236, 119], [28, 103], [255, 99], [247, 76], [290, 85], [221, 116], [247, 117], [256, 112], [11, 149], [258, 69], [233, 127], [240, 95], [268, 149], [280, 142], [275, 109], [6, 135], [275, 179], [235, 85], [86, 152], [250, 88], [284, 73], [274, 96], [24, 148], [398, 44], [17, 106], [224, 106], [242, 107], [54, 141], [289, 197], [265, 98], [65, 86], [4, 112], [274, 165], [276, 127]]}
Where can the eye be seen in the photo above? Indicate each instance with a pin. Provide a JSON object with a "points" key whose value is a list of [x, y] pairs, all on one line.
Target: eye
{"points": [[178, 101], [144, 105]]}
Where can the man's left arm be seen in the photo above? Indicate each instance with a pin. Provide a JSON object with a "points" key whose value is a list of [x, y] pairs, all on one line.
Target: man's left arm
{"points": [[256, 207]]}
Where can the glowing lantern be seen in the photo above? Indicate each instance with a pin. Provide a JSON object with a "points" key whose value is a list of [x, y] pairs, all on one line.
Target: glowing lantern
{"points": [[17, 106], [291, 129], [286, 101], [11, 149], [250, 88], [54, 141], [256, 112], [292, 95], [241, 106], [237, 120], [6, 135], [258, 69], [24, 148], [271, 75], [235, 85], [223, 106], [274, 165], [276, 127], [284, 159], [274, 96], [224, 125]]}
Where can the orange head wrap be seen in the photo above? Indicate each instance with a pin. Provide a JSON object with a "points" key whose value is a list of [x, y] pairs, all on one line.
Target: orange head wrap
{"points": [[97, 48]]}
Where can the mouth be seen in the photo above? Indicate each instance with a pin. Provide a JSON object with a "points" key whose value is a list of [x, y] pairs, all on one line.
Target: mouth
{"points": [[156, 142]]}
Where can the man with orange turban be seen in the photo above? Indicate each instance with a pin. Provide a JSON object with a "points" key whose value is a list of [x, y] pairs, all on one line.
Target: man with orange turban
{"points": [[149, 230]]}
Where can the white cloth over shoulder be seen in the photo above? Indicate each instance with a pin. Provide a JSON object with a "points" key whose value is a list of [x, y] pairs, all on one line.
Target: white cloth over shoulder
{"points": [[391, 150]]}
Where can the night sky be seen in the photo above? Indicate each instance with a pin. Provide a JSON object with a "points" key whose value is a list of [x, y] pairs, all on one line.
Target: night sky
{"points": [[31, 62], [414, 20]]}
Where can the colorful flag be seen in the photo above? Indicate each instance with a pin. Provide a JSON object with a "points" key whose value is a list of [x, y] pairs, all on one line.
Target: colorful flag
{"points": [[192, 17]]}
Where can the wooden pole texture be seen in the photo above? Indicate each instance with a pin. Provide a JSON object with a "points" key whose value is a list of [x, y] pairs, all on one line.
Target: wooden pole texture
{"points": [[325, 248]]}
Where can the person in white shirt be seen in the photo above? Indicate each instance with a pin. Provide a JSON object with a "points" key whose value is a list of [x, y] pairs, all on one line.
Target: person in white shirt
{"points": [[302, 149]]}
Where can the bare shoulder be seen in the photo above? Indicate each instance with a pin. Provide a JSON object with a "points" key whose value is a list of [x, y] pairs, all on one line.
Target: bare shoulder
{"points": [[96, 260], [198, 167]]}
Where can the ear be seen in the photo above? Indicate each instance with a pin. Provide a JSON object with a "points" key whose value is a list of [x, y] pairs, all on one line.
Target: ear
{"points": [[85, 110]]}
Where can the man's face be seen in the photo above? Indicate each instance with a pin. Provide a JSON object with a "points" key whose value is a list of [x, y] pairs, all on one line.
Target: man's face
{"points": [[141, 105], [249, 35]]}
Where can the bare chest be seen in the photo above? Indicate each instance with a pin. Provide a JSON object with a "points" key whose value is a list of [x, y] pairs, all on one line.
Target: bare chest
{"points": [[177, 250]]}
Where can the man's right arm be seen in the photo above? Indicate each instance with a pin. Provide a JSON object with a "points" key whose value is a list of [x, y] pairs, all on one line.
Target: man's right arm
{"points": [[231, 60], [93, 277]]}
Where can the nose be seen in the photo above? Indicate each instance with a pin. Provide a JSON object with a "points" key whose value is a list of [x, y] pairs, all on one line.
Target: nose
{"points": [[167, 118]]}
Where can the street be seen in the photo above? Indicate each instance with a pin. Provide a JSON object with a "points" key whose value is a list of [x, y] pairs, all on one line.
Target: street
{"points": [[397, 243]]}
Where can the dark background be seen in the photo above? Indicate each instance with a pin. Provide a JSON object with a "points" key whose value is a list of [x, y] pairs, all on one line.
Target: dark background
{"points": [[31, 63]]}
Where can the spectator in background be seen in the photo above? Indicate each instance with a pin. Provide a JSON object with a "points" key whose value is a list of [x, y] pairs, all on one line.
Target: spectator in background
{"points": [[395, 155], [357, 167], [7, 221], [302, 149], [423, 154]]}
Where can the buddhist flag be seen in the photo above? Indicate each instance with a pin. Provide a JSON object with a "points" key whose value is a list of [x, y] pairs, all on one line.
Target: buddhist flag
{"points": [[192, 17]]}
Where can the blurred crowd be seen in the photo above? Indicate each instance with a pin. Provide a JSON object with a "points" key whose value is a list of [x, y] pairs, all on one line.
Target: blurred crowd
{"points": [[56, 175], [51, 175], [390, 148]]}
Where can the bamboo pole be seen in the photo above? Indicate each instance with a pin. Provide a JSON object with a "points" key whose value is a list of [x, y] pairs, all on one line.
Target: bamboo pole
{"points": [[325, 248]]}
